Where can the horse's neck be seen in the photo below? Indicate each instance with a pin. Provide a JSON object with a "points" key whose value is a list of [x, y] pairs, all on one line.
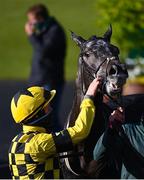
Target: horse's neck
{"points": [[77, 102], [78, 97], [81, 86]]}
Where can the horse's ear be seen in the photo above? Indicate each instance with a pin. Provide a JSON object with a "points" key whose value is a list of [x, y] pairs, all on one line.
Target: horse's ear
{"points": [[78, 39], [108, 33]]}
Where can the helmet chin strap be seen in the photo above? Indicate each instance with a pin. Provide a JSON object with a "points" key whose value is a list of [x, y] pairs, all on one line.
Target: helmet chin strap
{"points": [[41, 119]]}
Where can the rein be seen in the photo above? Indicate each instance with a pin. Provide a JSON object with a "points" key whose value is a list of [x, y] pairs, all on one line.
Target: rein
{"points": [[95, 71]]}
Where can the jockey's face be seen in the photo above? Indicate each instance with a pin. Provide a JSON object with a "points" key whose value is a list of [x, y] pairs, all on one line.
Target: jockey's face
{"points": [[48, 109], [49, 122]]}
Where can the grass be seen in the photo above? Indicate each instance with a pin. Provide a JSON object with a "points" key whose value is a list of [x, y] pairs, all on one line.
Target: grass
{"points": [[15, 50]]}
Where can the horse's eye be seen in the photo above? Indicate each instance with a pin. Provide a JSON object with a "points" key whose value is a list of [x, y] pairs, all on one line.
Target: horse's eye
{"points": [[112, 70], [87, 54]]}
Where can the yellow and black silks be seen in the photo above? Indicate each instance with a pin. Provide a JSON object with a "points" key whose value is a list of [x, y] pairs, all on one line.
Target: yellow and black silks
{"points": [[23, 166], [32, 154]]}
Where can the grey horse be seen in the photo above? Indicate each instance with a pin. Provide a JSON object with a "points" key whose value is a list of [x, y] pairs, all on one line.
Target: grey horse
{"points": [[98, 57]]}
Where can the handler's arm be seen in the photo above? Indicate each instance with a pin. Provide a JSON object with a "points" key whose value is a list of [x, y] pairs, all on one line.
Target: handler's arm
{"points": [[65, 140], [84, 122]]}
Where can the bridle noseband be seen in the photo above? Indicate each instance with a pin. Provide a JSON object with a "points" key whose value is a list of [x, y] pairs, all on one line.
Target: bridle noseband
{"points": [[90, 69]]}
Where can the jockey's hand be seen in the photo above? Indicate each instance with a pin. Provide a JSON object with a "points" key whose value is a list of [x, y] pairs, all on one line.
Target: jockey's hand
{"points": [[93, 87], [116, 118]]}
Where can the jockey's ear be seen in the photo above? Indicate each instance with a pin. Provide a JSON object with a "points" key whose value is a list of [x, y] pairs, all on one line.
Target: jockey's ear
{"points": [[78, 39], [108, 33]]}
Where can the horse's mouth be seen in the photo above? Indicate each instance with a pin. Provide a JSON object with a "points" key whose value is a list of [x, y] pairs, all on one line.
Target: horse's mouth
{"points": [[115, 88], [115, 92]]}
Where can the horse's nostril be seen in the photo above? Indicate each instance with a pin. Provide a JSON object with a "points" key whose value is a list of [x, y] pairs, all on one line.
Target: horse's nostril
{"points": [[114, 86]]}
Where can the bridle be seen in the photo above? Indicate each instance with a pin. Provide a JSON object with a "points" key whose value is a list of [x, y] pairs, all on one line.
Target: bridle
{"points": [[89, 69]]}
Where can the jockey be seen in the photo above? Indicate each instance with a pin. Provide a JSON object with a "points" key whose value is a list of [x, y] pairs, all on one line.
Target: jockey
{"points": [[33, 153]]}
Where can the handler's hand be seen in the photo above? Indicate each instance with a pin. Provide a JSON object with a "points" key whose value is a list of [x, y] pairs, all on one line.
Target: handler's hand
{"points": [[93, 87], [116, 118]]}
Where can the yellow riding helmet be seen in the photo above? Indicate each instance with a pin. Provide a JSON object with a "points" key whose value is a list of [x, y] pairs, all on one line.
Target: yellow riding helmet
{"points": [[26, 103]]}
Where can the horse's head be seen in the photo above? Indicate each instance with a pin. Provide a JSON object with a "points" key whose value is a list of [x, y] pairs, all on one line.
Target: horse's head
{"points": [[102, 59]]}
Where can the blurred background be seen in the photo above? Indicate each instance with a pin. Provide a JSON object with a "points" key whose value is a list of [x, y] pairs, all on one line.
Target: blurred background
{"points": [[81, 16], [85, 18]]}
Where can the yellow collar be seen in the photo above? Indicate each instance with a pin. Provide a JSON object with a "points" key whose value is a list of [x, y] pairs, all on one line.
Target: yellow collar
{"points": [[33, 128]]}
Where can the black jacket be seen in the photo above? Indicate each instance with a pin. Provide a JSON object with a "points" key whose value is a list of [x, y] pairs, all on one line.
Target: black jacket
{"points": [[48, 56]]}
